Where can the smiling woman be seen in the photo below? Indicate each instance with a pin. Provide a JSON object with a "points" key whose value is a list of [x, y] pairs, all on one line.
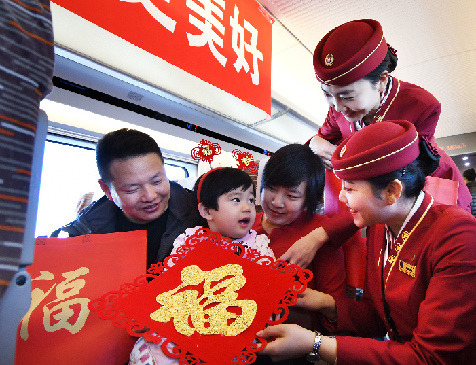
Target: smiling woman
{"points": [[291, 189], [354, 63], [416, 250]]}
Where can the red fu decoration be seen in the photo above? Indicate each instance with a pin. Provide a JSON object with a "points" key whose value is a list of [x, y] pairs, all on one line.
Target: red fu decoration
{"points": [[205, 151], [245, 161], [206, 303]]}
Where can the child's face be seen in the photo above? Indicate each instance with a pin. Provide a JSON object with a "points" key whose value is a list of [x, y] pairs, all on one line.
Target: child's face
{"points": [[282, 206], [235, 215]]}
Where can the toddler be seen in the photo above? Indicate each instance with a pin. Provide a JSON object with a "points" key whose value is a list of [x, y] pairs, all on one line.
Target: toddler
{"points": [[226, 199]]}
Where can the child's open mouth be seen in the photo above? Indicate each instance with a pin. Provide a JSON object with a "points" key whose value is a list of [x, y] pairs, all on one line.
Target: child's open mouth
{"points": [[244, 222]]}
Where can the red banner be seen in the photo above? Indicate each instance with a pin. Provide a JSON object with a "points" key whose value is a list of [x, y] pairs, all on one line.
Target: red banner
{"points": [[226, 43], [67, 274]]}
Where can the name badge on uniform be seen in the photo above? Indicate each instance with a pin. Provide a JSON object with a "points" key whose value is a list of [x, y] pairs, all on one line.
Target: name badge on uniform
{"points": [[407, 268]]}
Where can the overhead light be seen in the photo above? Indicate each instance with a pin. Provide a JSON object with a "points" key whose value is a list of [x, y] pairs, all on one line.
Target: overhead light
{"points": [[467, 163], [465, 158]]}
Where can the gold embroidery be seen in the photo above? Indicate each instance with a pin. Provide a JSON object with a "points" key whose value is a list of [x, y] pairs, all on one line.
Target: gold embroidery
{"points": [[329, 60], [380, 118], [407, 236], [207, 313], [391, 102], [342, 151]]}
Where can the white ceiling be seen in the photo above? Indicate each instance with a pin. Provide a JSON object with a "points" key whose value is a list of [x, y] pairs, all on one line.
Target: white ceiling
{"points": [[435, 39]]}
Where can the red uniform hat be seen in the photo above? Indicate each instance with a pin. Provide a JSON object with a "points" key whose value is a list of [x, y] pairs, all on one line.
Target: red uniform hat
{"points": [[377, 149], [349, 52]]}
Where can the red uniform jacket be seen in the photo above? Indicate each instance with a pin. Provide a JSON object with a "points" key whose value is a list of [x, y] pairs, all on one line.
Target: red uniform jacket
{"points": [[430, 288], [409, 102]]}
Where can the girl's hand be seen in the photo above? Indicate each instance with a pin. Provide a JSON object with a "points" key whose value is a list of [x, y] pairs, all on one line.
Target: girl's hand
{"points": [[291, 341], [303, 250]]}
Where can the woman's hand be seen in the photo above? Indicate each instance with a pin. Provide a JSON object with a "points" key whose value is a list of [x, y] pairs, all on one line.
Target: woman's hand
{"points": [[323, 148], [291, 341], [309, 299], [303, 250], [314, 300]]}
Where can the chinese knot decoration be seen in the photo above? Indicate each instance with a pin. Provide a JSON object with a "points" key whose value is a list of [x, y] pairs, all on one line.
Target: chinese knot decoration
{"points": [[206, 303], [205, 151], [245, 161]]}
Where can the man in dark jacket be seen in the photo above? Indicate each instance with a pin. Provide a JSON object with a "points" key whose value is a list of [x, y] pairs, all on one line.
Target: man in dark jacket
{"points": [[138, 195], [469, 178]]}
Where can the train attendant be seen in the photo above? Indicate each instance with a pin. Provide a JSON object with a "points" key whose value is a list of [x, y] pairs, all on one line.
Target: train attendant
{"points": [[421, 265], [353, 63]]}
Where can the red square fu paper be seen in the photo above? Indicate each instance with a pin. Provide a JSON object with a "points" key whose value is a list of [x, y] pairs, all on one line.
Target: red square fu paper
{"points": [[207, 300], [67, 273]]}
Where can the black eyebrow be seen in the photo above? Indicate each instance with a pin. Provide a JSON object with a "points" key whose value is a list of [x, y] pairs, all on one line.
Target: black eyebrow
{"points": [[345, 92], [295, 190]]}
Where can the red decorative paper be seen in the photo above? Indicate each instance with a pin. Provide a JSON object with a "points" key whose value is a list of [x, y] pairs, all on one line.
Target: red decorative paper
{"points": [[205, 151], [67, 273], [245, 161], [216, 325]]}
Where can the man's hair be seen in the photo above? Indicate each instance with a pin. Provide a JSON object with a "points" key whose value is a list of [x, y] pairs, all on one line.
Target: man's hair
{"points": [[222, 181], [121, 145], [290, 166], [470, 174]]}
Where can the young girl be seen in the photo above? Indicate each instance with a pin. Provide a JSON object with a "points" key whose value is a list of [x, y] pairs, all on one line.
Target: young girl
{"points": [[226, 199]]}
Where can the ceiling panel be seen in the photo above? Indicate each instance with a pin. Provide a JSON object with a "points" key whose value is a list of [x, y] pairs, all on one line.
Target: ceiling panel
{"points": [[435, 40], [288, 128], [436, 46]]}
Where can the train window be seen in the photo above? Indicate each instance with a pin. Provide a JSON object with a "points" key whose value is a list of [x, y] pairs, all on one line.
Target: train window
{"points": [[69, 172]]}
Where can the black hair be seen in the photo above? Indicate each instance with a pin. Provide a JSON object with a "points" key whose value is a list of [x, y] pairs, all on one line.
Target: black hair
{"points": [[222, 181], [470, 174], [412, 175], [389, 64], [290, 166], [120, 145]]}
